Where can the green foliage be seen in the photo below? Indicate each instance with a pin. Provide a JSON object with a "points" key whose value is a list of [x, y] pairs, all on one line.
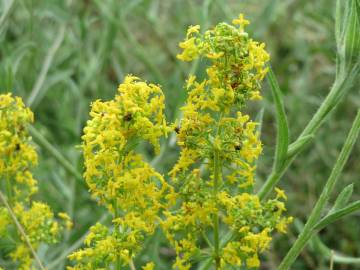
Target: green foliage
{"points": [[64, 54]]}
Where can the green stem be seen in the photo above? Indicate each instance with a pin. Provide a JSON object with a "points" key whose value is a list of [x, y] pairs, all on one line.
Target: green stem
{"points": [[132, 265], [269, 184], [41, 140], [315, 215], [339, 89], [8, 189], [118, 263], [217, 175], [116, 215], [21, 230]]}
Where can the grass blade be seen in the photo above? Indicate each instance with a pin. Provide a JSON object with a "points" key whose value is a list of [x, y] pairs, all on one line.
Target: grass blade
{"points": [[7, 8], [46, 65], [41, 140]]}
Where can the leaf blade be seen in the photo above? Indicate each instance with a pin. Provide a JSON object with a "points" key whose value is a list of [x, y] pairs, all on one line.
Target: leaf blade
{"points": [[336, 215], [282, 129]]}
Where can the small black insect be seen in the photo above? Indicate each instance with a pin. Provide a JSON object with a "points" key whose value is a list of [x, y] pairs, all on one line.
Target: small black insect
{"points": [[17, 147], [128, 117], [177, 130], [237, 147]]}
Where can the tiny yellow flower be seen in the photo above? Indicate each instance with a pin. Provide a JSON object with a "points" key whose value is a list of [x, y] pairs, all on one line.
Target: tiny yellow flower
{"points": [[215, 55], [193, 29], [190, 81], [253, 262], [280, 194], [67, 219], [241, 21], [148, 266]]}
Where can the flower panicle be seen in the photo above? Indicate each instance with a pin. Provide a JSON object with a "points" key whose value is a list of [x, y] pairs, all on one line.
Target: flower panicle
{"points": [[220, 145], [17, 157], [118, 177], [212, 181]]}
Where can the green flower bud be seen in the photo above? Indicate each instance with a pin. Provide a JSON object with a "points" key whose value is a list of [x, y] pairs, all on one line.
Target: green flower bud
{"points": [[348, 34]]}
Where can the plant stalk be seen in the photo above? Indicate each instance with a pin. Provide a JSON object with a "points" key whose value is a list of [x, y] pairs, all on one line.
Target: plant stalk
{"points": [[337, 92], [217, 175], [118, 264], [315, 215], [118, 258]]}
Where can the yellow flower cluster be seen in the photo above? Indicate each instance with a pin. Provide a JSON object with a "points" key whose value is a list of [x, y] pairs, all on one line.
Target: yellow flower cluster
{"points": [[119, 178], [212, 189], [219, 147], [237, 63], [252, 221], [17, 157]]}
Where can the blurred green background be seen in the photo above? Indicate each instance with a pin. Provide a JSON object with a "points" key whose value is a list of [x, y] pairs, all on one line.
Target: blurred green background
{"points": [[60, 55]]}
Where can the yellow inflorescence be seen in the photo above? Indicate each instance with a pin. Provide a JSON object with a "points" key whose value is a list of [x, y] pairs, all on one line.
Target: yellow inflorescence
{"points": [[237, 63], [212, 125], [17, 157], [213, 178], [118, 177]]}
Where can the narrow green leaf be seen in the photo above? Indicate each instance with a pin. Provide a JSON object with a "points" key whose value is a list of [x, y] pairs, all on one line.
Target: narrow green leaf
{"points": [[337, 257], [352, 33], [343, 198], [206, 264], [43, 142], [348, 37], [299, 145], [349, 209], [259, 119], [49, 58], [226, 238], [338, 21], [7, 6], [313, 223], [316, 245], [282, 130]]}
